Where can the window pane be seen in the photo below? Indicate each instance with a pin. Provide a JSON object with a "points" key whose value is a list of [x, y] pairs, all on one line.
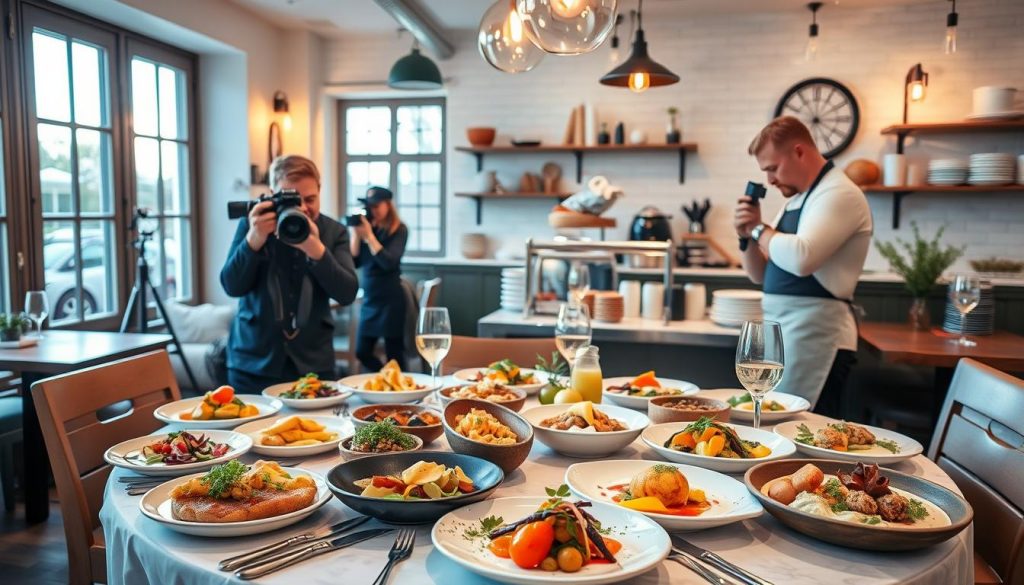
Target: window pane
{"points": [[147, 172], [174, 170], [59, 263], [178, 264], [368, 130], [430, 217], [408, 183], [99, 266], [361, 176], [50, 65], [430, 241], [90, 73], [419, 129], [144, 97], [95, 172], [172, 103], [55, 168]]}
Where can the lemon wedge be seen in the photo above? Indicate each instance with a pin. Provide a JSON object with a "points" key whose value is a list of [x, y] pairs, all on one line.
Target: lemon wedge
{"points": [[584, 410]]}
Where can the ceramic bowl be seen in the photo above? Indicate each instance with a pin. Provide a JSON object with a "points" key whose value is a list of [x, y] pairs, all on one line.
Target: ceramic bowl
{"points": [[516, 405], [587, 444], [660, 410], [508, 457], [349, 454], [481, 136], [427, 433]]}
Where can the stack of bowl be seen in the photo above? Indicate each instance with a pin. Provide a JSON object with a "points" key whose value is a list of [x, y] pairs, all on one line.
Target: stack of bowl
{"points": [[609, 307]]}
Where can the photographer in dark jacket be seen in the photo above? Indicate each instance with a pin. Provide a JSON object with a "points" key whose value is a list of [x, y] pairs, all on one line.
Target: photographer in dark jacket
{"points": [[284, 327], [377, 244]]}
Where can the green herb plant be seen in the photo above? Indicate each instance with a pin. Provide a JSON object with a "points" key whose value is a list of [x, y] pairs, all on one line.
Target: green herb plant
{"points": [[375, 433], [10, 322], [925, 262]]}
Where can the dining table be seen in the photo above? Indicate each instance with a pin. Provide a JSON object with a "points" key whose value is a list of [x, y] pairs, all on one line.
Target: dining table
{"points": [[59, 352], [140, 550]]}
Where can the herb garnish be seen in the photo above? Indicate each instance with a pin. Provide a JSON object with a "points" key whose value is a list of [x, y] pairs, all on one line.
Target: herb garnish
{"points": [[834, 489], [375, 433], [804, 435], [222, 477], [557, 494], [872, 520], [556, 365], [840, 507], [888, 445], [739, 399], [916, 509], [487, 525]]}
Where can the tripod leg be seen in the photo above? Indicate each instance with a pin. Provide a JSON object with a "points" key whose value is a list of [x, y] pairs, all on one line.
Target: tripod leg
{"points": [[170, 329], [129, 309]]}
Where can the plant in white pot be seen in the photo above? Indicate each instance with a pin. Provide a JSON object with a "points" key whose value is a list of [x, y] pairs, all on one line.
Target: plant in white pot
{"points": [[13, 325]]}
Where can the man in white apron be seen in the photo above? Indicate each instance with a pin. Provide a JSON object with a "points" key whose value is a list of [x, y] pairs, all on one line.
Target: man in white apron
{"points": [[808, 260]]}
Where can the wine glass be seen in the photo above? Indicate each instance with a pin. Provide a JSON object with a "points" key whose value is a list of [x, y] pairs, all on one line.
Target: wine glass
{"points": [[572, 330], [37, 307], [965, 293], [759, 361], [578, 282], [433, 337]]}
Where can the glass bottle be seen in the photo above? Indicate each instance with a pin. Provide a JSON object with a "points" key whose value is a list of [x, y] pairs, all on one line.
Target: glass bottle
{"points": [[586, 374]]}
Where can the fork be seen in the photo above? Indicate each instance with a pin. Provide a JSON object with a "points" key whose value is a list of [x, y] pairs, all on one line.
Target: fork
{"points": [[400, 551], [341, 410], [692, 564]]}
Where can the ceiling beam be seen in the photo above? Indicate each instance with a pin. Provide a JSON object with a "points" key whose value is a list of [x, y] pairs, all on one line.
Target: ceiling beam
{"points": [[421, 24]]}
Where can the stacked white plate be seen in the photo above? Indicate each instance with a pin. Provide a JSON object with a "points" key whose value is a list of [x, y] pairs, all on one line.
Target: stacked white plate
{"points": [[732, 307], [980, 321], [513, 288], [948, 171], [992, 168]]}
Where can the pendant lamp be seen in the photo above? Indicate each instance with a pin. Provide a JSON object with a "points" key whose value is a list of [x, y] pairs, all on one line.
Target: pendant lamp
{"points": [[503, 42], [639, 72], [415, 71], [567, 27]]}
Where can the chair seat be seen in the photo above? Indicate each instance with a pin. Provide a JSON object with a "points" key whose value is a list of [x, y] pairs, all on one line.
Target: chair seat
{"points": [[983, 574], [10, 414]]}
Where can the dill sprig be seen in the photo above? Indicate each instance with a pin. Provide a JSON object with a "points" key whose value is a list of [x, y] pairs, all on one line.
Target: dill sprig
{"points": [[374, 433], [222, 477]]}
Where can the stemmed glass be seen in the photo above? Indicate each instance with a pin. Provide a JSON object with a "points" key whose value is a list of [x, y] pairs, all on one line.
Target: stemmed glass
{"points": [[965, 294], [433, 337], [572, 330], [759, 361], [37, 307], [578, 282]]}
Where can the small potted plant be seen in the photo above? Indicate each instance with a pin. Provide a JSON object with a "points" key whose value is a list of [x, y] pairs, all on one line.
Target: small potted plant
{"points": [[12, 325], [924, 264], [672, 134]]}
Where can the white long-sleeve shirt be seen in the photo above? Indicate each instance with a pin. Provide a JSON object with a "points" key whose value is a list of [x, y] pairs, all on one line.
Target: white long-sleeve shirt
{"points": [[833, 237]]}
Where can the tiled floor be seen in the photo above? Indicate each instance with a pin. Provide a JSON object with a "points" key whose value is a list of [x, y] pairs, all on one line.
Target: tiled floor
{"points": [[36, 554]]}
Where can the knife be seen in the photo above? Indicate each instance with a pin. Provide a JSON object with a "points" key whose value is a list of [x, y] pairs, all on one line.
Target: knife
{"points": [[290, 558], [718, 562], [331, 531], [691, 563]]}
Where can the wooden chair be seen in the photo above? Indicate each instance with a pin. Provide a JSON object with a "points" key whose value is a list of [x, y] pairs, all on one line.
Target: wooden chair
{"points": [[979, 442], [76, 439], [471, 352]]}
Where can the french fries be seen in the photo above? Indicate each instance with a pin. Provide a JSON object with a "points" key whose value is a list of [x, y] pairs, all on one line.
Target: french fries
{"points": [[390, 379], [295, 431]]}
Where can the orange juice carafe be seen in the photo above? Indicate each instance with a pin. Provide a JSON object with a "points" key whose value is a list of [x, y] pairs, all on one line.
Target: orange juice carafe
{"points": [[586, 374]]}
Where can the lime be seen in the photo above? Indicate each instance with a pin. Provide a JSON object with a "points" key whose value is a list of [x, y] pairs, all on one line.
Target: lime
{"points": [[548, 392], [568, 396]]}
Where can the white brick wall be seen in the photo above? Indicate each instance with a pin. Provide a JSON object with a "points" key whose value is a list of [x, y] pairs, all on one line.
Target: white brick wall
{"points": [[734, 68]]}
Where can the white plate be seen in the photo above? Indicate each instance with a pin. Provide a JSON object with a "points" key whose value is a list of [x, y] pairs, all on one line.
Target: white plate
{"points": [[254, 431], [724, 322], [355, 384], [19, 344], [116, 455], [731, 501], [794, 405], [170, 413], [656, 435], [466, 376], [907, 447], [640, 402], [587, 444], [644, 543], [738, 293], [156, 504], [276, 390]]}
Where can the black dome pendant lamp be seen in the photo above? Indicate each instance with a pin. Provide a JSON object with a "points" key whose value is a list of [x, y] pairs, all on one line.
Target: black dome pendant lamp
{"points": [[415, 71], [639, 72]]}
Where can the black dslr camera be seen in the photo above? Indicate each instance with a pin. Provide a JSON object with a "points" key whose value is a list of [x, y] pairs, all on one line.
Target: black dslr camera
{"points": [[755, 191], [292, 224], [355, 219]]}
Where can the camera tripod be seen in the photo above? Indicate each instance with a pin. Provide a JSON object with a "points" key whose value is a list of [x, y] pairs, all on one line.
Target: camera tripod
{"points": [[137, 301]]}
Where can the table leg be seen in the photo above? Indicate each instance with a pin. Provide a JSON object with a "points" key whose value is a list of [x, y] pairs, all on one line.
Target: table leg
{"points": [[37, 463]]}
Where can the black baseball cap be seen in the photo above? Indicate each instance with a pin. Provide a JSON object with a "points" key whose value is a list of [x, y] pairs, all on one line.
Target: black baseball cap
{"points": [[375, 195]]}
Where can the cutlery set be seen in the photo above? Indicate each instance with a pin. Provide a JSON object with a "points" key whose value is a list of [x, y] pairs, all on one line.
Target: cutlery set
{"points": [[688, 555]]}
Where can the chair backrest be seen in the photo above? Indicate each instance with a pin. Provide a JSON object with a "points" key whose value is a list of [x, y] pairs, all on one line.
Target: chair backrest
{"points": [[979, 442], [428, 291], [471, 352], [76, 438]]}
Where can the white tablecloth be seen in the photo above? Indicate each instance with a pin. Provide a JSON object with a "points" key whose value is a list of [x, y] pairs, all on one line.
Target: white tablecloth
{"points": [[140, 550]]}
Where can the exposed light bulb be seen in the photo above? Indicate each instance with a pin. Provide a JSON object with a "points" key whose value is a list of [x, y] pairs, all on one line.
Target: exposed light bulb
{"points": [[514, 27], [811, 52], [287, 122], [639, 81], [916, 91], [614, 56], [568, 8], [950, 39]]}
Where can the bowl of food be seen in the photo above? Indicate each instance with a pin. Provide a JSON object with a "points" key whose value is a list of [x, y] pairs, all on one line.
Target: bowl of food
{"points": [[378, 439], [218, 409], [481, 135], [488, 430], [413, 488], [507, 396], [308, 393], [637, 392], [414, 419], [295, 436], [718, 446], [585, 429], [775, 407], [665, 409], [507, 373], [390, 385], [858, 505]]}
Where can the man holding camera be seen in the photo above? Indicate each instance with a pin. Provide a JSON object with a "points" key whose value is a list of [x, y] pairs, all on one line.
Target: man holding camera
{"points": [[808, 261], [285, 274]]}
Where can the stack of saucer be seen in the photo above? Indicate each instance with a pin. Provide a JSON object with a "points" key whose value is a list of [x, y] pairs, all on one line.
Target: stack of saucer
{"points": [[608, 307], [732, 308], [992, 168], [588, 300], [947, 171], [980, 321], [513, 288]]}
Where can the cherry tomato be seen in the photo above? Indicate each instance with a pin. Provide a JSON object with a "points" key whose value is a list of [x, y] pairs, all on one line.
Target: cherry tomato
{"points": [[499, 546], [531, 544]]}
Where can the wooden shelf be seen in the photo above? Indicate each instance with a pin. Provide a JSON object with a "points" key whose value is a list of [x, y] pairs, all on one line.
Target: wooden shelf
{"points": [[479, 198], [956, 127], [899, 192], [578, 151]]}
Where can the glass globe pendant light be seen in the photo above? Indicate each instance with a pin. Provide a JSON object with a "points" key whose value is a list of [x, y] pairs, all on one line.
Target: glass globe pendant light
{"points": [[503, 42], [567, 27]]}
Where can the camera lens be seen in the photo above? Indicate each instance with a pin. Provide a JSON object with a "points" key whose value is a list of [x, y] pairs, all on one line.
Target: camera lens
{"points": [[292, 226]]}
